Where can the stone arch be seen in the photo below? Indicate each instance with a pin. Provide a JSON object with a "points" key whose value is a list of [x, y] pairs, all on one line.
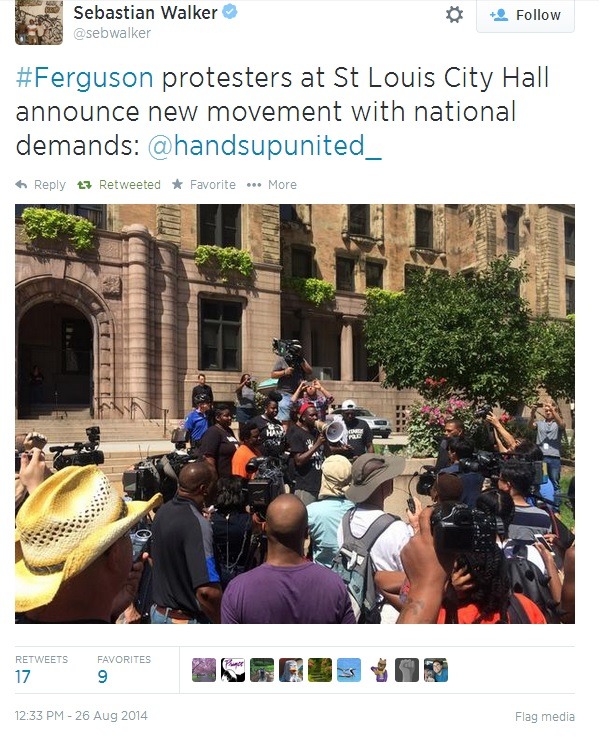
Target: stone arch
{"points": [[37, 290]]}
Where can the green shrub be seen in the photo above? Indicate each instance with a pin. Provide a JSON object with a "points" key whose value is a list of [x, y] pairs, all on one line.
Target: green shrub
{"points": [[227, 260], [315, 291], [55, 225]]}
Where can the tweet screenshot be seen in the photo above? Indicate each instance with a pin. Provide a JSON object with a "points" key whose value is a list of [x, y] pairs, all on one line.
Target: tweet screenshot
{"points": [[243, 401]]}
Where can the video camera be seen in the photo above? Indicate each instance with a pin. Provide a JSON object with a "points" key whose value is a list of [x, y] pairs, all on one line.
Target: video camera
{"points": [[426, 480], [483, 412], [84, 454], [267, 484], [289, 350], [461, 529], [159, 473]]}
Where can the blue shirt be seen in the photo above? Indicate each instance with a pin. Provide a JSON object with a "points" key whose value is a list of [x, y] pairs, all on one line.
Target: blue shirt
{"points": [[196, 423]]}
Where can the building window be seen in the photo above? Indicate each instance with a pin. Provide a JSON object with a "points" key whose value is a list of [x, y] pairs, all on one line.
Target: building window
{"points": [[302, 263], [345, 274], [570, 296], [219, 225], [374, 275], [512, 226], [359, 222], [569, 240], [220, 335], [97, 214], [75, 347], [424, 228]]}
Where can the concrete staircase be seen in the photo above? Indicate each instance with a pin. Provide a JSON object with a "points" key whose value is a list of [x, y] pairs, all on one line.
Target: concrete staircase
{"points": [[123, 442], [72, 428]]}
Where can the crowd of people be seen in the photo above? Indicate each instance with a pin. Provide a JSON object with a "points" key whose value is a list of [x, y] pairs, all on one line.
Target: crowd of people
{"points": [[259, 522]]}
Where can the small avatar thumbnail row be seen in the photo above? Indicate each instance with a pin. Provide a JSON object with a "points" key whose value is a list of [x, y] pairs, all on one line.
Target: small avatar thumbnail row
{"points": [[318, 670]]}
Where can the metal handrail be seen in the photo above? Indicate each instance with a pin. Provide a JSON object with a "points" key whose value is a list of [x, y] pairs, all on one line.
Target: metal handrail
{"points": [[132, 404]]}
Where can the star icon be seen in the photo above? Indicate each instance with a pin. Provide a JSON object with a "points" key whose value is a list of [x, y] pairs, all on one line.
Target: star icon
{"points": [[177, 184]]}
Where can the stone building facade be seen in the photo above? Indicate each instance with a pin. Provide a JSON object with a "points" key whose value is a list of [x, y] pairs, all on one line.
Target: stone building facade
{"points": [[126, 327]]}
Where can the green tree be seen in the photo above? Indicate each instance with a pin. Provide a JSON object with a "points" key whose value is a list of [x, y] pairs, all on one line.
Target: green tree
{"points": [[553, 356], [472, 330]]}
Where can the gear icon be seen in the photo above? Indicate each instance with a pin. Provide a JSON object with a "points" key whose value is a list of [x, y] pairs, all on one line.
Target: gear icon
{"points": [[454, 14]]}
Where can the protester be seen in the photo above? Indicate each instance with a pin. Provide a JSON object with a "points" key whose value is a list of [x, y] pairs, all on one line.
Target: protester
{"points": [[246, 399], [325, 515], [307, 454], [272, 434], [73, 555], [231, 528], [372, 483], [550, 432], [430, 599], [249, 437], [359, 438], [314, 393], [218, 444], [288, 588]]}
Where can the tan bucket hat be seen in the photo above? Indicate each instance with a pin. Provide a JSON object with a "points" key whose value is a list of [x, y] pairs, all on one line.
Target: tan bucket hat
{"points": [[66, 524]]}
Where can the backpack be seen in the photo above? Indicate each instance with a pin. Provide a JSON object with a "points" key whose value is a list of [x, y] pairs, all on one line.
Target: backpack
{"points": [[353, 564], [526, 578]]}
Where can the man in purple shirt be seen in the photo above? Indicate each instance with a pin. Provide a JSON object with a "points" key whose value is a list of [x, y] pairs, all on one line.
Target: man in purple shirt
{"points": [[288, 588]]}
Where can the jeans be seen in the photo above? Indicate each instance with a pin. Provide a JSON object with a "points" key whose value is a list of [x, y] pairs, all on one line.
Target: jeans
{"points": [[554, 466], [156, 618]]}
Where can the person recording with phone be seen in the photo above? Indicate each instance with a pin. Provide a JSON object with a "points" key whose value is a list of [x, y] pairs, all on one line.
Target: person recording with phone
{"points": [[246, 405]]}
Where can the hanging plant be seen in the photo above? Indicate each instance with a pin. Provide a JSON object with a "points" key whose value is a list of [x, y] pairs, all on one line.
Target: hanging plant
{"points": [[226, 260], [54, 225], [315, 291]]}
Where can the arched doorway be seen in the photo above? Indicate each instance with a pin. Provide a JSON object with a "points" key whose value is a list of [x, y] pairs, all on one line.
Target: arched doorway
{"points": [[58, 338]]}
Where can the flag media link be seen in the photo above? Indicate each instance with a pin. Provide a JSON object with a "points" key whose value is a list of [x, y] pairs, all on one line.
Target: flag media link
{"points": [[24, 77]]}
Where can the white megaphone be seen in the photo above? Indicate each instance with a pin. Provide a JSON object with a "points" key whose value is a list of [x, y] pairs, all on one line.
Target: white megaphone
{"points": [[334, 428]]}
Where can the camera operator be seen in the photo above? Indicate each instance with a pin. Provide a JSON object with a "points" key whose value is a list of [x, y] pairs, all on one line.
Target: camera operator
{"points": [[486, 598], [462, 449], [289, 370], [30, 465]]}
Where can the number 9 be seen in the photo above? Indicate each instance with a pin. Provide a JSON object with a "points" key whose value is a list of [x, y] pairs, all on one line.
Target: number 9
{"points": [[102, 674]]}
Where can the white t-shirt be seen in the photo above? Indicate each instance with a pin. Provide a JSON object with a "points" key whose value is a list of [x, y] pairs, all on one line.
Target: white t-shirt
{"points": [[386, 551]]}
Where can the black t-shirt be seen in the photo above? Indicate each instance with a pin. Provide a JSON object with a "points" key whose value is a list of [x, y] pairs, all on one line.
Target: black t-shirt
{"points": [[271, 435], [359, 437], [204, 390], [308, 476], [183, 555], [232, 541], [220, 444]]}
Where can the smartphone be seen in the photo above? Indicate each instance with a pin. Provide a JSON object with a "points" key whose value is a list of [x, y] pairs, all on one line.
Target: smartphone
{"points": [[544, 542], [140, 542]]}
